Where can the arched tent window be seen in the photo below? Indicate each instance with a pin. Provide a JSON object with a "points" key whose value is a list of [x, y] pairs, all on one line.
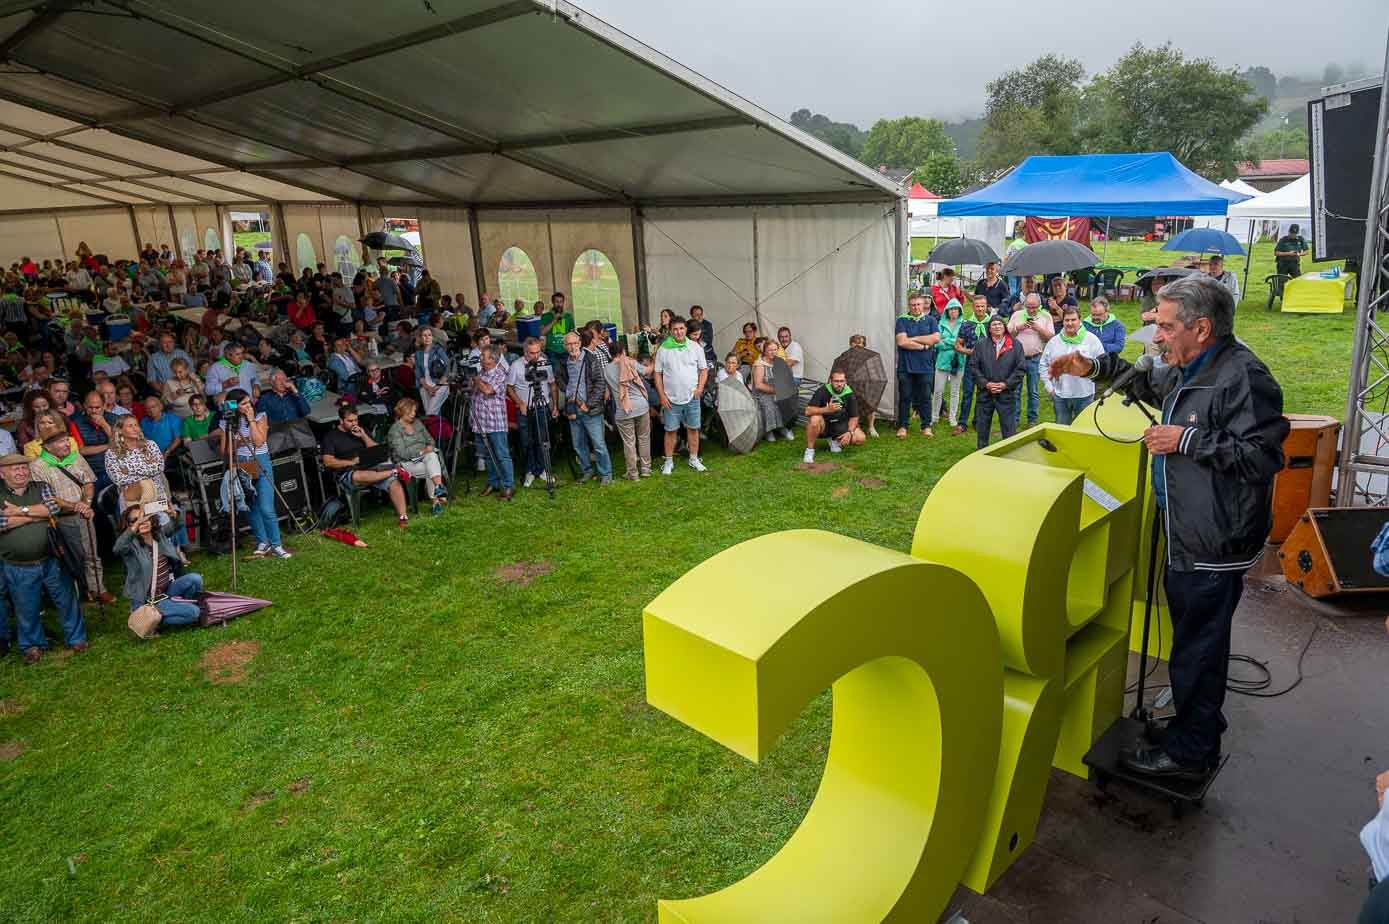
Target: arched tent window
{"points": [[347, 257], [517, 279], [211, 239], [304, 254], [596, 292], [189, 241]]}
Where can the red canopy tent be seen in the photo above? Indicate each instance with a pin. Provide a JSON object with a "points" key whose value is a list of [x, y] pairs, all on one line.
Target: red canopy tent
{"points": [[921, 192]]}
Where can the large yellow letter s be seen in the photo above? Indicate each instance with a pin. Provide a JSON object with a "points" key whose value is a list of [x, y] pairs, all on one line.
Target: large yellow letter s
{"points": [[916, 717]]}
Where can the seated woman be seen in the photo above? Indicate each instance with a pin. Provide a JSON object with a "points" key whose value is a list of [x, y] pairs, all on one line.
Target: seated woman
{"points": [[413, 450], [180, 388], [152, 560], [375, 395], [764, 390]]}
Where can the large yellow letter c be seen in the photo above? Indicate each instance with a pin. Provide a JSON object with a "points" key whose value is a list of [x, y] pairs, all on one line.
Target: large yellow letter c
{"points": [[913, 655]]}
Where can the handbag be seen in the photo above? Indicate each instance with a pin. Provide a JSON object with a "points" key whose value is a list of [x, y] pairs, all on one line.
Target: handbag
{"points": [[144, 620]]}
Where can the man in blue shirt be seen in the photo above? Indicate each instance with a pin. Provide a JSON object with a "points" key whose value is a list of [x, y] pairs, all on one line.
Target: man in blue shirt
{"points": [[95, 425], [917, 335], [1106, 326], [161, 363], [164, 430], [282, 402]]}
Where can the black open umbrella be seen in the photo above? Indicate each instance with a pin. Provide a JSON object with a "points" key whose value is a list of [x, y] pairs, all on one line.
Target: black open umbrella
{"points": [[1166, 272], [866, 374], [963, 250], [409, 259], [1046, 257], [385, 240]]}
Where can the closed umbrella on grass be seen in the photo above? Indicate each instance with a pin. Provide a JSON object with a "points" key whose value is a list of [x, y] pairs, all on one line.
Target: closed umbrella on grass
{"points": [[739, 415], [1047, 257], [963, 250], [1205, 240], [216, 607]]}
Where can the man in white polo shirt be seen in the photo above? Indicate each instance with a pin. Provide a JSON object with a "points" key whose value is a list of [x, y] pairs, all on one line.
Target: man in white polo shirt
{"points": [[681, 371]]}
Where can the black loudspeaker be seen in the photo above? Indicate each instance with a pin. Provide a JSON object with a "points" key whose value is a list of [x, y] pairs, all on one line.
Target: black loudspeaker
{"points": [[291, 485], [1341, 136]]}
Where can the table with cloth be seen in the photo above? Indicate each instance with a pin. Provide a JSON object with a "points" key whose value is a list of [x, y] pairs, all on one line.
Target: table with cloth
{"points": [[1313, 293]]}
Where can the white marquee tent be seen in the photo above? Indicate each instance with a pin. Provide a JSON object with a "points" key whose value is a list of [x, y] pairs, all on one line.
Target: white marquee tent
{"points": [[1239, 227], [1292, 202], [494, 123]]}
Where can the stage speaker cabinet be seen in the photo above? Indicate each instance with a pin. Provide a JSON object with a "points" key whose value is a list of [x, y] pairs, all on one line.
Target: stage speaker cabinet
{"points": [[1309, 461], [1328, 552], [1341, 137], [291, 485]]}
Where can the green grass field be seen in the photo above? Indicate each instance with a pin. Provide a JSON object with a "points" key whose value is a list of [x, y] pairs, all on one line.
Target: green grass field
{"points": [[415, 736]]}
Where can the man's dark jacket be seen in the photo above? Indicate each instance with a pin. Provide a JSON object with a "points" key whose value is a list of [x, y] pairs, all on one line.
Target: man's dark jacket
{"points": [[1219, 482], [987, 365]]}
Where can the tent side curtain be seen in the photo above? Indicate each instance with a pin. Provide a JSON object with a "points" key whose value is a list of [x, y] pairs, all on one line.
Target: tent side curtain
{"points": [[573, 234], [825, 271], [186, 231], [341, 236], [305, 235], [153, 222], [1133, 185], [107, 231], [33, 236], [498, 232], [448, 251]]}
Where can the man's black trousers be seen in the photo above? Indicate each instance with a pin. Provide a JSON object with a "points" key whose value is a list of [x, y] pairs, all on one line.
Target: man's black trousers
{"points": [[1202, 604]]}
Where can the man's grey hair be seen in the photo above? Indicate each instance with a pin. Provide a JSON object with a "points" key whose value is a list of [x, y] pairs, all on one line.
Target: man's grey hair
{"points": [[493, 350], [1101, 301], [1034, 300], [1199, 297]]}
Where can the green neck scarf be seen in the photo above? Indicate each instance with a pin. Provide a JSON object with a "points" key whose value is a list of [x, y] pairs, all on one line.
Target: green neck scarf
{"points": [[1107, 320], [98, 358], [670, 343], [981, 328], [230, 367], [64, 462], [839, 395], [1077, 340], [911, 317]]}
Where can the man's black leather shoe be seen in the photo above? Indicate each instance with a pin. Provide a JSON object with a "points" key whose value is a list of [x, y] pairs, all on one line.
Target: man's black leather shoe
{"points": [[1156, 762]]}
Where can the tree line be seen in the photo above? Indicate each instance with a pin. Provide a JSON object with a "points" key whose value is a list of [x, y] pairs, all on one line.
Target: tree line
{"points": [[1151, 99]]}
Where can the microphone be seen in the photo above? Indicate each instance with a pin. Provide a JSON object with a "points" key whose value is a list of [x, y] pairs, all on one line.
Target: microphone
{"points": [[1141, 367]]}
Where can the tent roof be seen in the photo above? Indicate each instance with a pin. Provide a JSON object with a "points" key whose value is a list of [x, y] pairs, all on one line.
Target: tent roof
{"points": [[1293, 201], [191, 101], [1240, 186], [1134, 185], [921, 192]]}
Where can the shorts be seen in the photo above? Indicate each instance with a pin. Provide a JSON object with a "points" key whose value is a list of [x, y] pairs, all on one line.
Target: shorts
{"points": [[347, 484], [834, 429], [678, 415]]}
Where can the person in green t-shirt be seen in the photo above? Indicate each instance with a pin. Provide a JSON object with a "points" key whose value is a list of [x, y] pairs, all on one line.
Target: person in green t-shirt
{"points": [[1289, 251], [554, 324], [200, 422]]}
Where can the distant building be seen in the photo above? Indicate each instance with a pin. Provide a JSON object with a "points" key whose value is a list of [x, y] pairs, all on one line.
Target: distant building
{"points": [[896, 174], [1273, 172]]}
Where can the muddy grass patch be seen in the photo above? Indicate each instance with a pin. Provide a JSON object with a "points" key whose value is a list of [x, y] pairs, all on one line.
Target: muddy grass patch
{"points": [[300, 786], [817, 468], [524, 573], [11, 707], [842, 491], [226, 662], [10, 750], [872, 484], [257, 800]]}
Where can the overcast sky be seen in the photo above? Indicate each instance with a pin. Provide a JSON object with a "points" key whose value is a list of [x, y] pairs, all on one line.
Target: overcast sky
{"points": [[860, 62]]}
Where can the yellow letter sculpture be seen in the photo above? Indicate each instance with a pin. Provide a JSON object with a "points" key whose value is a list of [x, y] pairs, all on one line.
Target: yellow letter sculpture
{"points": [[950, 702]]}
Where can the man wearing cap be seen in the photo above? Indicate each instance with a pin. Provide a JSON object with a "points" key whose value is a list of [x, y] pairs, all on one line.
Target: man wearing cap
{"points": [[73, 483], [25, 509]]}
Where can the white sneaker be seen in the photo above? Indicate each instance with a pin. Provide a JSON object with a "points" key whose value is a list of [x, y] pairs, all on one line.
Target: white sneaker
{"points": [[667, 466], [280, 551], [873, 432], [771, 436], [530, 480], [835, 447], [262, 549], [697, 465], [786, 434], [809, 456], [547, 478]]}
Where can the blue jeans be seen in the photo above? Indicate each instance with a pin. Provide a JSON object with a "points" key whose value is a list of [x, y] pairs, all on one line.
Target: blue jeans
{"points": [[265, 523], [27, 584], [966, 398], [1068, 409], [587, 432], [1033, 367], [497, 454], [179, 612], [914, 391]]}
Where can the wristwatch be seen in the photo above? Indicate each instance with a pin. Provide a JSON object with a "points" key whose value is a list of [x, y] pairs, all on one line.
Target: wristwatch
{"points": [[24, 510]]}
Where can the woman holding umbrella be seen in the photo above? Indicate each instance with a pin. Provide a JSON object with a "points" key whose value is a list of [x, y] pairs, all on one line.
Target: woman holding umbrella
{"points": [[764, 388], [950, 365]]}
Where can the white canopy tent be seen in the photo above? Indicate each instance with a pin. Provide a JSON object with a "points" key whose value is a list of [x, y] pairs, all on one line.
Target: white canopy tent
{"points": [[1292, 202], [131, 121], [1239, 227]]}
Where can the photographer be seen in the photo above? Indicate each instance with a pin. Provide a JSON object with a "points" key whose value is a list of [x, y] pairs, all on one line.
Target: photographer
{"points": [[146, 546], [342, 453], [250, 433], [533, 375]]}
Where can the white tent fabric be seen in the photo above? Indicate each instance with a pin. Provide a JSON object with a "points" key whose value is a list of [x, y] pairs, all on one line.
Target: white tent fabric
{"points": [[1239, 227], [1292, 202]]}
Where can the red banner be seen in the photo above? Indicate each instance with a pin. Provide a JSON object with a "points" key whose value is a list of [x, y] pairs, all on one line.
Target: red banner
{"points": [[1056, 229]]}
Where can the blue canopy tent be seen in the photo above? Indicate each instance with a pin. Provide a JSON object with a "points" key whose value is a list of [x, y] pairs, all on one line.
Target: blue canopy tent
{"points": [[1101, 185]]}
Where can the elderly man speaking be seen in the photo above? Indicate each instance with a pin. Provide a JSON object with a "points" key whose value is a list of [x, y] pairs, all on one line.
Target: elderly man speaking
{"points": [[1215, 455]]}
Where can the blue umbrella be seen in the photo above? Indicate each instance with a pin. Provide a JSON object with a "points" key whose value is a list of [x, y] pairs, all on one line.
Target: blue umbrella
{"points": [[1205, 240]]}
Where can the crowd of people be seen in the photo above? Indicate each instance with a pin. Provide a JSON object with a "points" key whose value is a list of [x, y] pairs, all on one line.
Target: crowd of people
{"points": [[108, 413]]}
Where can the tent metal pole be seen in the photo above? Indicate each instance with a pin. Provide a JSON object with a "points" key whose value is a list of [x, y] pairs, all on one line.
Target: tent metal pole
{"points": [[1248, 258], [903, 249], [1104, 255], [173, 229], [639, 260], [476, 239], [282, 231], [58, 226], [756, 281], [135, 226]]}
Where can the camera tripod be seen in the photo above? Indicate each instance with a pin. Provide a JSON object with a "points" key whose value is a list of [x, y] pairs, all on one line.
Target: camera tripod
{"points": [[538, 425]]}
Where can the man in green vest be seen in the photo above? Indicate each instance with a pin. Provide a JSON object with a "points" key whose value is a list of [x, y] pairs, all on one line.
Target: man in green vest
{"points": [[554, 324], [25, 510]]}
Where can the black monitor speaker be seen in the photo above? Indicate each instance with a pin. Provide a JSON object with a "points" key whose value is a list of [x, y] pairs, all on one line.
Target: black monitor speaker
{"points": [[1341, 135]]}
